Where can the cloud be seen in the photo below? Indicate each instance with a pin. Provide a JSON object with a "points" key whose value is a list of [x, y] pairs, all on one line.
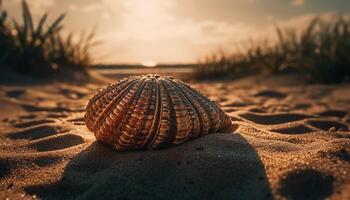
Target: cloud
{"points": [[40, 6], [298, 2], [37, 7], [155, 32], [151, 31], [106, 9], [87, 8], [302, 21]]}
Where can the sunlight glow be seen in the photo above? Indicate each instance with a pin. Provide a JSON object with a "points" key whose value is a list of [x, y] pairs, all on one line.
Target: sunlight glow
{"points": [[149, 63]]}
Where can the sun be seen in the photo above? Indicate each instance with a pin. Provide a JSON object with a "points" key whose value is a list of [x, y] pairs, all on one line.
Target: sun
{"points": [[149, 63]]}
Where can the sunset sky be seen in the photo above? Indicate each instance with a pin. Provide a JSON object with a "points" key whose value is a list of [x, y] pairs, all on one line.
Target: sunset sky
{"points": [[177, 31]]}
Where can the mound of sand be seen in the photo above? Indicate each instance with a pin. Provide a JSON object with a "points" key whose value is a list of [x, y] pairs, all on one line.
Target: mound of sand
{"points": [[292, 141]]}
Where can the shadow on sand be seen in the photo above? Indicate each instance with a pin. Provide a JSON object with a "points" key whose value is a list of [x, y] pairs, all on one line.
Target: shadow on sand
{"points": [[217, 166]]}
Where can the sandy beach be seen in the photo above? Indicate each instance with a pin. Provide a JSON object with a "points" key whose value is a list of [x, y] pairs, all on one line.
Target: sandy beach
{"points": [[288, 141]]}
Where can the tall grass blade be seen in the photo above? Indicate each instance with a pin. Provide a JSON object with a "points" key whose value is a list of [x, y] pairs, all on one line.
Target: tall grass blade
{"points": [[39, 29], [54, 26], [27, 19]]}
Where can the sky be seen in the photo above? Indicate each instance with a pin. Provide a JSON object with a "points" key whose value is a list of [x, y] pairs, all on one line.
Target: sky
{"points": [[177, 31]]}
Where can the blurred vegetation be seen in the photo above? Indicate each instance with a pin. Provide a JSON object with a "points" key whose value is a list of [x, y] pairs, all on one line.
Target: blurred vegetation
{"points": [[321, 51], [41, 50]]}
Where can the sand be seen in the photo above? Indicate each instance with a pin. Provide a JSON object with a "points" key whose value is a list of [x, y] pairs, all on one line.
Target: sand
{"points": [[288, 140]]}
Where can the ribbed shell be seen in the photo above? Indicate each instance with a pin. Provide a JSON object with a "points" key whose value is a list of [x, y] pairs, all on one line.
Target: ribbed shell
{"points": [[151, 111]]}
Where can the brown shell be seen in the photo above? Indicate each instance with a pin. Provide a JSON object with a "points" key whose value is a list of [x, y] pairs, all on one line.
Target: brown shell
{"points": [[151, 111]]}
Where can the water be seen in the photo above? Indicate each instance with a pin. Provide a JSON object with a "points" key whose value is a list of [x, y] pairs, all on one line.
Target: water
{"points": [[114, 72]]}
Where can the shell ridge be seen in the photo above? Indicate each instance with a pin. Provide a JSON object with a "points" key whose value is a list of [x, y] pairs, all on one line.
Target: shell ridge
{"points": [[107, 109], [176, 106], [159, 140], [162, 97], [110, 88], [194, 104], [120, 133], [147, 95], [219, 114], [222, 117], [213, 114], [105, 91], [194, 117], [157, 118], [99, 103], [105, 130], [202, 112], [139, 120]]}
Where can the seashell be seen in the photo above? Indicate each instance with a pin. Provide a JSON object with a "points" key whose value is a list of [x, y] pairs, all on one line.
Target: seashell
{"points": [[151, 111]]}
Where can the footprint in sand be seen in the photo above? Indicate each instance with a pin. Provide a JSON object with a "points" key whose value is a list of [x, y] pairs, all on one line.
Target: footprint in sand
{"points": [[57, 115], [43, 135], [53, 115], [239, 103], [30, 116], [33, 123], [43, 161], [271, 119], [37, 132], [58, 109], [33, 108], [15, 93], [326, 125], [56, 142], [306, 184], [270, 94], [302, 106], [333, 113]]}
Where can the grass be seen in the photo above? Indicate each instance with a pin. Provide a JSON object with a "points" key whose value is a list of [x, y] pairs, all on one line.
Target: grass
{"points": [[321, 51], [41, 50]]}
